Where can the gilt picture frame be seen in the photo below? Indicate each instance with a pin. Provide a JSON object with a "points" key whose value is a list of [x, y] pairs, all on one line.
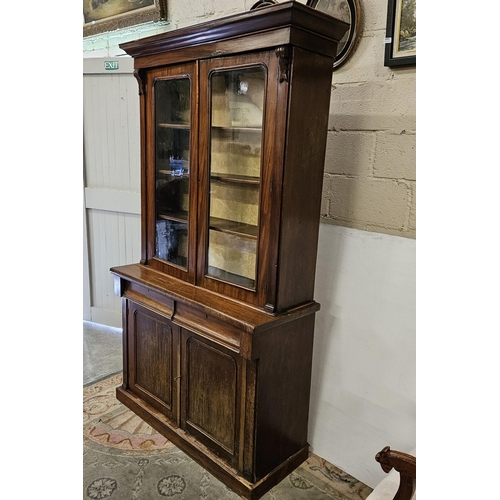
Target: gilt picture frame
{"points": [[100, 16], [401, 34], [346, 10]]}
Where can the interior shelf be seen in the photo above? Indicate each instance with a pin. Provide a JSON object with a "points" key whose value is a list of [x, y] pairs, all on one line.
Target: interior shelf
{"points": [[237, 129], [235, 179], [215, 272], [173, 173], [232, 227], [179, 126], [181, 216]]}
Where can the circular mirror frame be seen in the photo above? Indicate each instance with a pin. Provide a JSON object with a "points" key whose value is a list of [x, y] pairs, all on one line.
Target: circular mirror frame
{"points": [[349, 41], [263, 3]]}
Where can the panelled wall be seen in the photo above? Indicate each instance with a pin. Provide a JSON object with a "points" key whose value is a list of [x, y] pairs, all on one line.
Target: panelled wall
{"points": [[363, 381], [111, 182]]}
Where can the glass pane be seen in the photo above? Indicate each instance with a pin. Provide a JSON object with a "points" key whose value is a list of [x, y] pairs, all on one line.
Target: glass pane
{"points": [[237, 105], [173, 115], [171, 241]]}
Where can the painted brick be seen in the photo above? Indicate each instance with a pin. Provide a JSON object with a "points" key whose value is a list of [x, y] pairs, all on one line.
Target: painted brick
{"points": [[374, 17], [395, 97], [350, 153], [191, 12], [366, 63], [379, 105], [369, 203], [326, 196], [412, 225], [395, 156]]}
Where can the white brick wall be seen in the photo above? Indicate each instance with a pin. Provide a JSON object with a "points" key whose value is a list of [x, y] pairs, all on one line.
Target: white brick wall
{"points": [[370, 163]]}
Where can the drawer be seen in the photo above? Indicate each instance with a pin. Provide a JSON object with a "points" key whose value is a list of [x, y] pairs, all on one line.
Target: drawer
{"points": [[150, 299]]}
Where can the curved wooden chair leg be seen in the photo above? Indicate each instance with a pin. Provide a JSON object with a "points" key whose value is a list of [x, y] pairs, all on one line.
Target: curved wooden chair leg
{"points": [[405, 464]]}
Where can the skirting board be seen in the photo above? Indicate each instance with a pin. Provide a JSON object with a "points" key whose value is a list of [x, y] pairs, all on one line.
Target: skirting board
{"points": [[106, 317]]}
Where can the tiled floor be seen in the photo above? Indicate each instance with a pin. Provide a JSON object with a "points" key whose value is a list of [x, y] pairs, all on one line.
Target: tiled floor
{"points": [[102, 352]]}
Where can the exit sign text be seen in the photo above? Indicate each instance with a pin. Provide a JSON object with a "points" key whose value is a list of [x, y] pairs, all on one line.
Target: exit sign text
{"points": [[110, 65]]}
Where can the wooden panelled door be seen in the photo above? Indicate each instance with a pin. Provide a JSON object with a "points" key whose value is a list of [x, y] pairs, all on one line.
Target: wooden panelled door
{"points": [[194, 382], [210, 394], [153, 360]]}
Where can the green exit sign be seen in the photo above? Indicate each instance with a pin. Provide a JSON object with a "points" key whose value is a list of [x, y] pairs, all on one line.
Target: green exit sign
{"points": [[110, 65]]}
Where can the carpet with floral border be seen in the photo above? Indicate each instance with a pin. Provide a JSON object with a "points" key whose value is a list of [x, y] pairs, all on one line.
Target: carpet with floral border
{"points": [[126, 459]]}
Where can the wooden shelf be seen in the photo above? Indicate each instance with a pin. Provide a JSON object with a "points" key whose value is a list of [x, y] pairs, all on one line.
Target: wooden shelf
{"points": [[240, 229], [235, 179], [215, 272], [178, 126], [170, 172], [181, 216], [237, 129]]}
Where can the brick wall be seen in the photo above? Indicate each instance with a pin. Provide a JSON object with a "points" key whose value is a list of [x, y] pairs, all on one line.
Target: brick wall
{"points": [[370, 172]]}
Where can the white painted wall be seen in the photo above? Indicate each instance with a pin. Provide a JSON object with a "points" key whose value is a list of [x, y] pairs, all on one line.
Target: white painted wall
{"points": [[111, 183], [363, 386]]}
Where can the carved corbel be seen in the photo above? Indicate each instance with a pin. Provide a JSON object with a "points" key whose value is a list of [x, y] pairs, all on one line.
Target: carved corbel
{"points": [[139, 76], [283, 55]]}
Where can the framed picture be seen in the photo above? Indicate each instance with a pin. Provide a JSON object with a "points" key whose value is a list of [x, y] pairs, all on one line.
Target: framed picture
{"points": [[108, 15], [401, 33], [348, 11]]}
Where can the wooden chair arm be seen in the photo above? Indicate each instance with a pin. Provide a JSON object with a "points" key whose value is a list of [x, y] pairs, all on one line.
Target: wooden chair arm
{"points": [[405, 464]]}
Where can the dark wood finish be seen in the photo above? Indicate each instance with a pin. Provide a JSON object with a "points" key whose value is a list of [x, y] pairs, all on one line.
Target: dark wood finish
{"points": [[216, 361], [236, 179], [153, 367], [241, 377], [293, 148], [284, 374], [125, 340], [140, 77], [308, 112], [289, 22], [232, 227], [211, 396], [148, 206], [405, 464], [267, 246], [137, 278], [291, 193]]}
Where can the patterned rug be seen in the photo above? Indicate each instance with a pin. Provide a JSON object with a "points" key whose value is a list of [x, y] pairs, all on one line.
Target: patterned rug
{"points": [[125, 459]]}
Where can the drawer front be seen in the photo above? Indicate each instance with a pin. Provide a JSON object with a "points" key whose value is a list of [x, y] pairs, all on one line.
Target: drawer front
{"points": [[150, 299]]}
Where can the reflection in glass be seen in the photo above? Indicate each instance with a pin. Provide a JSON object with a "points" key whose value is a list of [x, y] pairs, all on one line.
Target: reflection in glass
{"points": [[171, 241], [237, 104], [173, 134]]}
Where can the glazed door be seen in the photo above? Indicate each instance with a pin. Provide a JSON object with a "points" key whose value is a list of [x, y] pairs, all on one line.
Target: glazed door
{"points": [[153, 361], [210, 394], [239, 184], [172, 135]]}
